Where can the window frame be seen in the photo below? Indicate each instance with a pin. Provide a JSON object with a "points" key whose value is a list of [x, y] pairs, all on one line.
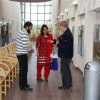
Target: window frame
{"points": [[23, 13]]}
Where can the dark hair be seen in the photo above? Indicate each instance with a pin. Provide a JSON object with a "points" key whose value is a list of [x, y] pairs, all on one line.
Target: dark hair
{"points": [[3, 26], [42, 28], [27, 24]]}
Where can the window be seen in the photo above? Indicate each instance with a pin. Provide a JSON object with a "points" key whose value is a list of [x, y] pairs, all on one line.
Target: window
{"points": [[42, 3], [37, 13], [22, 15], [27, 9], [40, 16], [48, 3], [47, 16], [22, 22], [27, 16], [47, 9], [27, 4], [40, 23], [33, 9], [34, 22], [23, 8], [33, 16], [40, 9], [33, 4]]}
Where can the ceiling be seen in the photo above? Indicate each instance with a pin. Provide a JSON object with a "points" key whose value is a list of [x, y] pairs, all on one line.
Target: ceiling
{"points": [[30, 0]]}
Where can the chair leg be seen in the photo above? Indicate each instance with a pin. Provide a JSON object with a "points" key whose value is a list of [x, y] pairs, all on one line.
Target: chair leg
{"points": [[0, 92], [5, 87], [9, 80], [11, 77], [15, 72]]}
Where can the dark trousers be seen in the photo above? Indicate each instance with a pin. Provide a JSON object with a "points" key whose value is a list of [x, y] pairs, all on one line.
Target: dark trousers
{"points": [[3, 41], [23, 63], [66, 72]]}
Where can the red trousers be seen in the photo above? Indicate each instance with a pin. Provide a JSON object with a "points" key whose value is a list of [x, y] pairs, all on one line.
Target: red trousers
{"points": [[46, 71]]}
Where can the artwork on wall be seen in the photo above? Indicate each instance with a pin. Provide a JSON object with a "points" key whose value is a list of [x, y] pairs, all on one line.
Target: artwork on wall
{"points": [[96, 47], [5, 32], [81, 30]]}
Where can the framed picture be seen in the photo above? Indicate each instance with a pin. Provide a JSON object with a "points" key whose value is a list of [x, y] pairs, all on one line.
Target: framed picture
{"points": [[5, 33], [81, 30]]}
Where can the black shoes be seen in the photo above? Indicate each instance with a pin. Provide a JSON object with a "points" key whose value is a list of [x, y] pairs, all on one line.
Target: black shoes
{"points": [[46, 80], [27, 88], [40, 80], [64, 88]]}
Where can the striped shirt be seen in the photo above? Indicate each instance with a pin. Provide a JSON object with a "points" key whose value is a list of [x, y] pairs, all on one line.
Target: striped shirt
{"points": [[22, 42]]}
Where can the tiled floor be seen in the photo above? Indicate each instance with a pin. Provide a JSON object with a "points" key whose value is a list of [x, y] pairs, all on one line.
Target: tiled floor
{"points": [[43, 91]]}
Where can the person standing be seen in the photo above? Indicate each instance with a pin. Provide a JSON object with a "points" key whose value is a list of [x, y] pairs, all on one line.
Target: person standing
{"points": [[7, 34], [22, 55], [44, 47], [65, 52], [3, 35]]}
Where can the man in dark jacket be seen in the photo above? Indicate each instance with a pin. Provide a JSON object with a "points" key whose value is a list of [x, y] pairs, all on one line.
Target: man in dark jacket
{"points": [[65, 52]]}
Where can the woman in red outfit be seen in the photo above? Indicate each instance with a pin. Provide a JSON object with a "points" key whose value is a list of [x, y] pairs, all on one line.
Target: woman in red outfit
{"points": [[44, 47]]}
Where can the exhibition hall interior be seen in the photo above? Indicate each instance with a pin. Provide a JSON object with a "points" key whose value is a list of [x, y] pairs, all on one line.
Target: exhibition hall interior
{"points": [[49, 49]]}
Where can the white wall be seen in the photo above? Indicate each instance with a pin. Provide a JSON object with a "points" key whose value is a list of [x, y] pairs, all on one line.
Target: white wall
{"points": [[55, 8], [0, 9], [84, 14], [98, 18], [64, 4], [55, 13], [10, 11]]}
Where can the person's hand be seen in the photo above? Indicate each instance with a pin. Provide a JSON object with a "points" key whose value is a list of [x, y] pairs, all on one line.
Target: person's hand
{"points": [[57, 42], [37, 54], [51, 41], [53, 52], [31, 50]]}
